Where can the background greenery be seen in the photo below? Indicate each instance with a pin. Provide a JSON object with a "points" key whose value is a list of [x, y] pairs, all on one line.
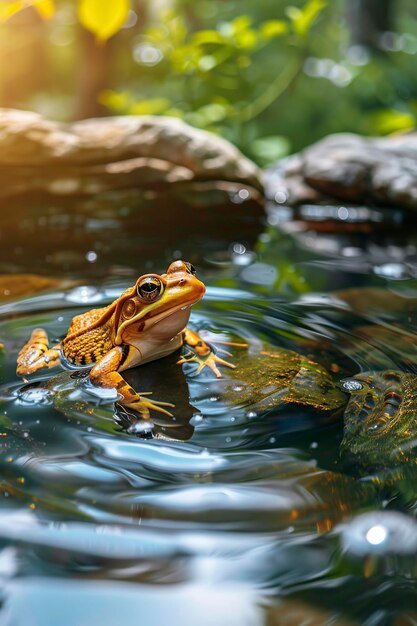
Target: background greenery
{"points": [[272, 75]]}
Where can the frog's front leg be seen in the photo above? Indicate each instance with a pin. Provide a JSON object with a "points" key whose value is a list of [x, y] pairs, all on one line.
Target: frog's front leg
{"points": [[105, 374], [37, 354], [202, 353]]}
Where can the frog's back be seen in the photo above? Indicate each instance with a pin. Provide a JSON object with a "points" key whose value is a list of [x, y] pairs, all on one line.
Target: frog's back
{"points": [[89, 320], [90, 336]]}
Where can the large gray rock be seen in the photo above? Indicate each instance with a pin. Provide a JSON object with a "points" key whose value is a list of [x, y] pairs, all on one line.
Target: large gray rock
{"points": [[351, 168], [99, 155]]}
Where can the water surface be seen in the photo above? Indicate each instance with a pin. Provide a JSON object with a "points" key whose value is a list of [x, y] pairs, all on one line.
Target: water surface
{"points": [[229, 513]]}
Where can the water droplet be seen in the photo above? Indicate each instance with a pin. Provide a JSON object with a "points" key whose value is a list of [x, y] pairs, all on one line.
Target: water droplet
{"points": [[91, 256], [272, 439], [251, 414], [352, 385], [228, 439]]}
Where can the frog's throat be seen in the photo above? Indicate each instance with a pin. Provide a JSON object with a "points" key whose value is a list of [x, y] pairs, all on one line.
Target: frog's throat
{"points": [[147, 321]]}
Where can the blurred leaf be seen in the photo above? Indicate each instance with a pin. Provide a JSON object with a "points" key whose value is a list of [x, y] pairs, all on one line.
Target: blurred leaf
{"points": [[389, 121], [246, 39], [118, 101], [104, 18], [7, 9], [212, 113], [154, 106], [46, 8], [273, 28], [267, 150], [208, 37], [303, 19]]}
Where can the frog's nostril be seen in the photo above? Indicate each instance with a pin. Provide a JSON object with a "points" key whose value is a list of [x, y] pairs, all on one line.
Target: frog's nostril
{"points": [[182, 281]]}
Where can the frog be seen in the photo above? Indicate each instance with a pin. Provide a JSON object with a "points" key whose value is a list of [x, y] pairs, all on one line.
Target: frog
{"points": [[147, 322]]}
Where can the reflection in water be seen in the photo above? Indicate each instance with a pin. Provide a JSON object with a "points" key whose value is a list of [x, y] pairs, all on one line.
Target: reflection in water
{"points": [[235, 511]]}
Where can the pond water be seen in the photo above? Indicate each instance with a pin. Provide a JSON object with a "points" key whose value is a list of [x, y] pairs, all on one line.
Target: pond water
{"points": [[241, 509]]}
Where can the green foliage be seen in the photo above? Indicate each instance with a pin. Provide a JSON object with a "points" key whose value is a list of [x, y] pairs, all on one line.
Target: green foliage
{"points": [[221, 78], [271, 76]]}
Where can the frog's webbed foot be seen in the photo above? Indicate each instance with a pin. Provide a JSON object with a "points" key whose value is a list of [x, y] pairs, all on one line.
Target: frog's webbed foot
{"points": [[37, 354], [202, 353], [105, 374], [143, 406]]}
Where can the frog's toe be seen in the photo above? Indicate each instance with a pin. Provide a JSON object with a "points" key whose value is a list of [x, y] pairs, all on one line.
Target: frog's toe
{"points": [[145, 405], [211, 361]]}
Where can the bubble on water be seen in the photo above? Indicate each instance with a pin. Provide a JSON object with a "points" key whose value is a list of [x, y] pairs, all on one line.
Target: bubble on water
{"points": [[141, 428], [382, 532], [84, 294], [196, 419], [35, 396], [352, 385], [251, 414], [272, 440], [91, 256], [394, 271], [314, 445], [228, 439]]}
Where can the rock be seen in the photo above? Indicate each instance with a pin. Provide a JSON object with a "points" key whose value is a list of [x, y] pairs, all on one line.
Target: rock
{"points": [[100, 155], [351, 168]]}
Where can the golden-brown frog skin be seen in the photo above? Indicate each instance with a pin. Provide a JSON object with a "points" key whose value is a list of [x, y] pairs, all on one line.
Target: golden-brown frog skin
{"points": [[147, 322]]}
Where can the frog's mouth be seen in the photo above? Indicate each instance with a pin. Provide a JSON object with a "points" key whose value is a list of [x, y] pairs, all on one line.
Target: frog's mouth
{"points": [[177, 316]]}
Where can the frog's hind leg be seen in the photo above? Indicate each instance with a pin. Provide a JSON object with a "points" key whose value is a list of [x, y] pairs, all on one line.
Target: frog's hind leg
{"points": [[37, 354], [105, 374]]}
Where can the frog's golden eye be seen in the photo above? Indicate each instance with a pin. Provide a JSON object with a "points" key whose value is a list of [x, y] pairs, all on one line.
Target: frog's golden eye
{"points": [[190, 268], [150, 288]]}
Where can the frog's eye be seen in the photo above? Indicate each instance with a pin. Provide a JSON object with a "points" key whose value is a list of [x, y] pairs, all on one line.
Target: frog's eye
{"points": [[150, 288], [190, 268]]}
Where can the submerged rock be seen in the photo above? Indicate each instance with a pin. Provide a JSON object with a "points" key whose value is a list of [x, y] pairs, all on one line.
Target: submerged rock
{"points": [[380, 431], [19, 285], [276, 375]]}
